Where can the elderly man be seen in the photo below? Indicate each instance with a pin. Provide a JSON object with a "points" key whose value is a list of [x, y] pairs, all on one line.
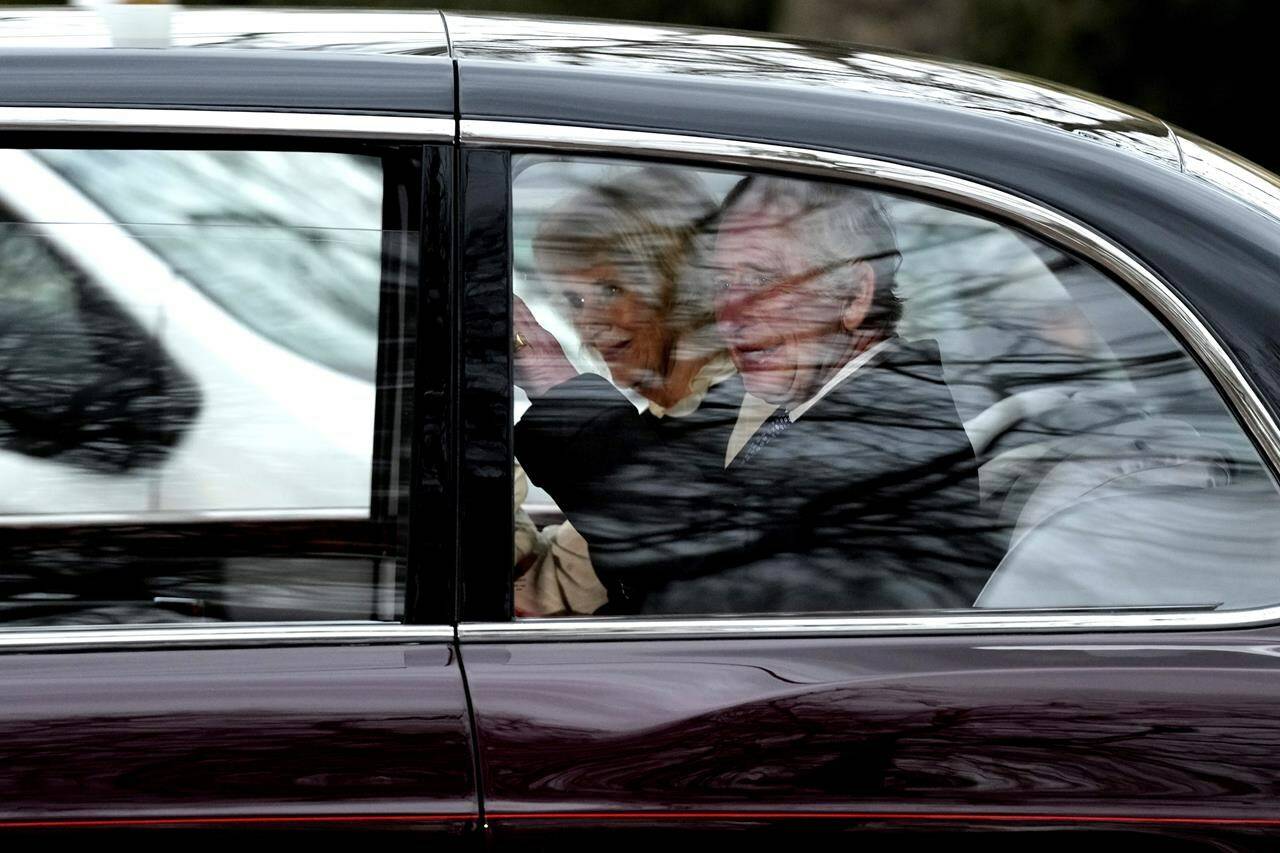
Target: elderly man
{"points": [[848, 482], [805, 293]]}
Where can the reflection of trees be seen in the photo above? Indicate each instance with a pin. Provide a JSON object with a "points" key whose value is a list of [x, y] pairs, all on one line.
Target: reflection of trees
{"points": [[100, 573], [898, 741]]}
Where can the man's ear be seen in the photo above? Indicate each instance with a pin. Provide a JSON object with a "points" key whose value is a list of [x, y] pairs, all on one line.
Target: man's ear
{"points": [[864, 289]]}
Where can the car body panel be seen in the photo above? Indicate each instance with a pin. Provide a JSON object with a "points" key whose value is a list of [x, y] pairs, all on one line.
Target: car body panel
{"points": [[1049, 731], [253, 733]]}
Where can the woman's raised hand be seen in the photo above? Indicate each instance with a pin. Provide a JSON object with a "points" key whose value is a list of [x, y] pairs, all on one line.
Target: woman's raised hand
{"points": [[540, 362]]}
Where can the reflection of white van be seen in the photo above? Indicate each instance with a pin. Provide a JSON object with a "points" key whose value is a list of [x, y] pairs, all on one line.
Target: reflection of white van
{"points": [[253, 275]]}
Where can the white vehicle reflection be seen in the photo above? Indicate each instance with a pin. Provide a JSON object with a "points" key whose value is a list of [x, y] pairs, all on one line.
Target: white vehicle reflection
{"points": [[278, 430]]}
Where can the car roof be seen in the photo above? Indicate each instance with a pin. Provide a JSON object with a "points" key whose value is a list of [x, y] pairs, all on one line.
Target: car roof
{"points": [[586, 47], [832, 68], [332, 61], [368, 32]]}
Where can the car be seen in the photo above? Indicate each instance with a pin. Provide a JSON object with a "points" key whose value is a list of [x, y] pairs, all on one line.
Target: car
{"points": [[297, 305]]}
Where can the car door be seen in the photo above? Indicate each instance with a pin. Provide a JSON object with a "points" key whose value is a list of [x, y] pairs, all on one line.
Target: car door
{"points": [[257, 635], [1002, 668]]}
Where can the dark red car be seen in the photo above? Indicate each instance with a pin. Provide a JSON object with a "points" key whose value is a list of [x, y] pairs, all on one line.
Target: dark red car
{"points": [[894, 451]]}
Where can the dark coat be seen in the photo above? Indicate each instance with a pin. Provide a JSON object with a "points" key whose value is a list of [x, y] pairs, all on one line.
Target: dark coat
{"points": [[868, 502]]}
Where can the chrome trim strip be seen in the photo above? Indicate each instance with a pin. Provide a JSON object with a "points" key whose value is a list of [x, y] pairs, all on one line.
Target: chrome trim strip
{"points": [[40, 520], [109, 637], [1041, 220], [132, 120], [561, 629]]}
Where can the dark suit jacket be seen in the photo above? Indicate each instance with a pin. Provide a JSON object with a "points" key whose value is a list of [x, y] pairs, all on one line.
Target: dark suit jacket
{"points": [[868, 502]]}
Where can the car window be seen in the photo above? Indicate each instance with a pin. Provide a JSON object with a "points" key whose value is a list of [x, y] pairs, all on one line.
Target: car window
{"points": [[176, 442], [749, 394]]}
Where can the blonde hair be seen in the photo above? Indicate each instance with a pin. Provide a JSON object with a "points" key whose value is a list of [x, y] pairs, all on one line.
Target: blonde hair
{"points": [[651, 224]]}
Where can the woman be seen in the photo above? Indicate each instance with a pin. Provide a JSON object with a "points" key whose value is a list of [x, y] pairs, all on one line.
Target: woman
{"points": [[622, 261]]}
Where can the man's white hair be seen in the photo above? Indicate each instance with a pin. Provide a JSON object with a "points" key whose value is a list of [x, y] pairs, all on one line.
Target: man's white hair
{"points": [[834, 224]]}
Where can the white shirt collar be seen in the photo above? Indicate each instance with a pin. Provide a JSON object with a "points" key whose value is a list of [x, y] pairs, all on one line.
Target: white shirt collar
{"points": [[753, 412], [797, 412]]}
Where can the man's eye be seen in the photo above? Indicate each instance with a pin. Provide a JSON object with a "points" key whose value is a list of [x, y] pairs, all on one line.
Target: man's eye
{"points": [[574, 301], [611, 289]]}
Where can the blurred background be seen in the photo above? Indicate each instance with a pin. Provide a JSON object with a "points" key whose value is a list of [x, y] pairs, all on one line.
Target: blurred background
{"points": [[1205, 65]]}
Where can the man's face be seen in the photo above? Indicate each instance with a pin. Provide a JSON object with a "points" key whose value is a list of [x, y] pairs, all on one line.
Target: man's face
{"points": [[776, 309]]}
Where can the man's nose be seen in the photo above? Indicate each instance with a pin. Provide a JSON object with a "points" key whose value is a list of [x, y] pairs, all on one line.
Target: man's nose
{"points": [[737, 320], [739, 305]]}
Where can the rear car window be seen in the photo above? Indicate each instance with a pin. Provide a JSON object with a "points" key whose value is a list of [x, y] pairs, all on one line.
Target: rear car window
{"points": [[748, 394]]}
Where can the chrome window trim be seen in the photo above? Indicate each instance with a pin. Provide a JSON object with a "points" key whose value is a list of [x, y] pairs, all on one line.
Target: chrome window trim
{"points": [[563, 629], [1036, 218], [131, 120], [112, 637], [284, 514]]}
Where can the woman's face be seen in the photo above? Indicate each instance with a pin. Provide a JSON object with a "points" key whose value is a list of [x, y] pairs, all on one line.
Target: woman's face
{"points": [[614, 319]]}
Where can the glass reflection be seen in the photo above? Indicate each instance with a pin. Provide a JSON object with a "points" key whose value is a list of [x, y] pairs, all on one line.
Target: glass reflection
{"points": [[898, 407], [187, 410], [306, 287], [83, 384], [129, 370]]}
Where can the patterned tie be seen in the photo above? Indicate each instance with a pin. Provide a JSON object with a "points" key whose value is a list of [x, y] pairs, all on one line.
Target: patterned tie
{"points": [[768, 431]]}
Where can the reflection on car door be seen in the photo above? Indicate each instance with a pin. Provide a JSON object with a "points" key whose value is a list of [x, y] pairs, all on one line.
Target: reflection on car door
{"points": [[334, 736], [1011, 740]]}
